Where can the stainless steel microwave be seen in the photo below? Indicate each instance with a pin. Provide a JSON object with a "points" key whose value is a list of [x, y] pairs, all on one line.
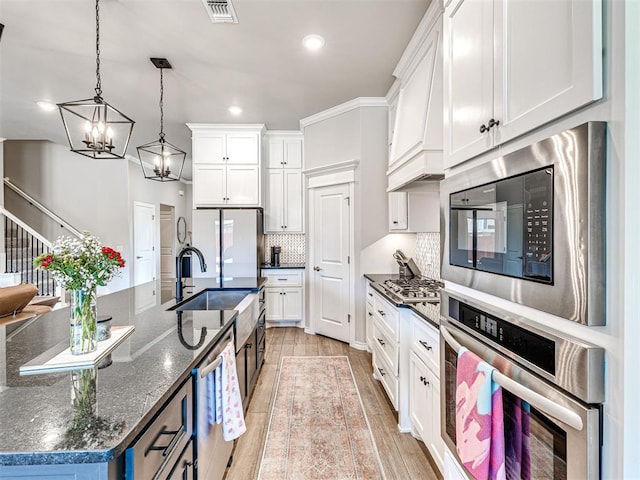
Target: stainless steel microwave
{"points": [[530, 226]]}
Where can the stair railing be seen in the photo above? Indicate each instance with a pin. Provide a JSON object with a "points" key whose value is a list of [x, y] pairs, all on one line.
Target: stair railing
{"points": [[42, 208], [22, 245]]}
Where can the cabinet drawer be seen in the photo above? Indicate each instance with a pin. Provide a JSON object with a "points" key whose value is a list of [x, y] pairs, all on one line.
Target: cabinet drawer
{"points": [[282, 278], [425, 341], [382, 372], [387, 313], [369, 294], [167, 435], [385, 346]]}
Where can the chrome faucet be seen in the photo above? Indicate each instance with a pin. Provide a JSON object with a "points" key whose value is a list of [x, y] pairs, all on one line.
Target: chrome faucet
{"points": [[203, 267]]}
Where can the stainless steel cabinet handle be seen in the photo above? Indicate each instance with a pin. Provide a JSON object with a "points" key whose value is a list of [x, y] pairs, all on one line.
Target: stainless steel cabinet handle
{"points": [[283, 279], [381, 371], [380, 341], [425, 344], [317, 269]]}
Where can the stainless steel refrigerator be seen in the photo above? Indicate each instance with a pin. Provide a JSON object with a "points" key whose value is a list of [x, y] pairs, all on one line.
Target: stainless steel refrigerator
{"points": [[231, 240]]}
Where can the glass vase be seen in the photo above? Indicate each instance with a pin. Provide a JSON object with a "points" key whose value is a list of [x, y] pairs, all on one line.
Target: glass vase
{"points": [[84, 329]]}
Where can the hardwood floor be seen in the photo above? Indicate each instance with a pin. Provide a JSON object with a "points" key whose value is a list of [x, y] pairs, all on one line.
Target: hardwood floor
{"points": [[403, 457]]}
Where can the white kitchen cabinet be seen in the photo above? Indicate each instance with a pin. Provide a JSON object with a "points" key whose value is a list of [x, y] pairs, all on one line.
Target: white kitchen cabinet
{"points": [[503, 78], [284, 293], [225, 185], [226, 165], [398, 213], [412, 212], [417, 143], [283, 206], [424, 387], [284, 150], [284, 196]]}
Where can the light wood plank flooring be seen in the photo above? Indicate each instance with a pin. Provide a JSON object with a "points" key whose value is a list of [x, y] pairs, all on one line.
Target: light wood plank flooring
{"points": [[403, 457]]}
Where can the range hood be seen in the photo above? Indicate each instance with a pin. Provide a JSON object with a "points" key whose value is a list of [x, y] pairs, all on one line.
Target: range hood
{"points": [[416, 151]]}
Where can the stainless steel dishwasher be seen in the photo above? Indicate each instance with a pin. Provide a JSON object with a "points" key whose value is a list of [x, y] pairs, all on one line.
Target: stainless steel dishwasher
{"points": [[213, 452]]}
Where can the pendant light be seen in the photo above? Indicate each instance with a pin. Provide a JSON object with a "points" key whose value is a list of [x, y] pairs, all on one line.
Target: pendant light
{"points": [[158, 158], [94, 128]]}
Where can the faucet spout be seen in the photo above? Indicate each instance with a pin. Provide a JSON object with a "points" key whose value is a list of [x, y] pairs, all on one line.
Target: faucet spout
{"points": [[183, 252]]}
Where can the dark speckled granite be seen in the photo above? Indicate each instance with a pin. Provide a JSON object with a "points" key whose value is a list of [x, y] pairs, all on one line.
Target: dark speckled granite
{"points": [[429, 311], [39, 419]]}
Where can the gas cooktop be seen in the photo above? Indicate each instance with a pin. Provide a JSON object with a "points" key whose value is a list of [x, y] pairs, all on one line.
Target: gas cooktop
{"points": [[414, 290]]}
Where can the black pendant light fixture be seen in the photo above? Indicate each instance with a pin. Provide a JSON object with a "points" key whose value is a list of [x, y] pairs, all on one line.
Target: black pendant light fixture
{"points": [[160, 160], [94, 128]]}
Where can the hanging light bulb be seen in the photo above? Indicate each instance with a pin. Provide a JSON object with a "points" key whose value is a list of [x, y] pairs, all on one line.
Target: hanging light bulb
{"points": [[156, 156], [96, 122]]}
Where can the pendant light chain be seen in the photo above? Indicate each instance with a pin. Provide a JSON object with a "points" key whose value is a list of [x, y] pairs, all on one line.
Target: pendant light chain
{"points": [[161, 107], [98, 81]]}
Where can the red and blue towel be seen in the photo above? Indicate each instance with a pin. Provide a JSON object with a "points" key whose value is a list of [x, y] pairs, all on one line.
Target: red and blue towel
{"points": [[479, 418]]}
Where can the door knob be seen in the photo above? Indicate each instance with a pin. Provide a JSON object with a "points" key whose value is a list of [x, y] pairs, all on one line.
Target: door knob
{"points": [[317, 269]]}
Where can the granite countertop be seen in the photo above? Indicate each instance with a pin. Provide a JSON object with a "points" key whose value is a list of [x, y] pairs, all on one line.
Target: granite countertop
{"points": [[39, 422], [297, 266], [429, 311]]}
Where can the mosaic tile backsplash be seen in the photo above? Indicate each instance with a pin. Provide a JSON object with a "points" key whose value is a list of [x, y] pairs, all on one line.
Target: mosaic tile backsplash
{"points": [[293, 247], [428, 254]]}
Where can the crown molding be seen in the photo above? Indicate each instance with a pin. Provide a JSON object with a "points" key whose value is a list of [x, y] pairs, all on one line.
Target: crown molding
{"points": [[344, 108]]}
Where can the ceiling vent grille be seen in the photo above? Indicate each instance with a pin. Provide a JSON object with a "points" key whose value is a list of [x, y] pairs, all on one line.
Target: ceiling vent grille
{"points": [[220, 11]]}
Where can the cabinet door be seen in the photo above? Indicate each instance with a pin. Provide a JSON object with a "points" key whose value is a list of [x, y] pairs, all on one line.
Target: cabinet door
{"points": [[435, 442], [241, 369], [275, 150], [275, 205], [183, 467], [243, 185], [273, 308], [398, 213], [209, 148], [243, 148], [541, 77], [419, 407], [468, 78], [292, 153], [292, 205], [209, 185], [292, 306]]}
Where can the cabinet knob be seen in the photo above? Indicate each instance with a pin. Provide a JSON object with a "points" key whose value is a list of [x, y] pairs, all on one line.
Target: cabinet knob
{"points": [[493, 123], [370, 314], [425, 344], [380, 341], [483, 128], [381, 371], [422, 379], [381, 313], [317, 269]]}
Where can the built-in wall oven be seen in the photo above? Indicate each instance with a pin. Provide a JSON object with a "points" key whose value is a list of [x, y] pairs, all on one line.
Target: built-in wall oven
{"points": [[552, 386], [529, 226]]}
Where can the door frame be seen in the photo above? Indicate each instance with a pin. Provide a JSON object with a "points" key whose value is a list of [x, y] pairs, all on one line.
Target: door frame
{"points": [[137, 203], [328, 176]]}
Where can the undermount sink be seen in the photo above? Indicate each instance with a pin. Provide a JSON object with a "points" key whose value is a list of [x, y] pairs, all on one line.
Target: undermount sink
{"points": [[214, 300]]}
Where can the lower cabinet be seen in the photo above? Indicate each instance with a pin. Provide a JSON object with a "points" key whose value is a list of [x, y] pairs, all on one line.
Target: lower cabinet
{"points": [[184, 465], [424, 407], [284, 294], [249, 360]]}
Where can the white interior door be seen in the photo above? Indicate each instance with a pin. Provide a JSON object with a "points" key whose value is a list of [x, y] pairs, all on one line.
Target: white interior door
{"points": [[144, 220], [167, 253], [330, 238]]}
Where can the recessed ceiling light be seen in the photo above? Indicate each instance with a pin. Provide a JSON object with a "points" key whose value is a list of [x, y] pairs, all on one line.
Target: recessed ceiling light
{"points": [[313, 42], [47, 106], [234, 110]]}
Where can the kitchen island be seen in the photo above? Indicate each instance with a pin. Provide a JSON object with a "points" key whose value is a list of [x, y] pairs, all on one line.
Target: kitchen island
{"points": [[43, 431]]}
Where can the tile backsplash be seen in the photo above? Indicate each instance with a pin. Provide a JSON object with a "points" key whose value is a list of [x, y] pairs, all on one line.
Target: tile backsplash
{"points": [[428, 254], [293, 247]]}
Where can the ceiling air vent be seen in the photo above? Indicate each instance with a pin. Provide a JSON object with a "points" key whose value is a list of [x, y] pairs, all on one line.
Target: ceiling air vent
{"points": [[220, 11]]}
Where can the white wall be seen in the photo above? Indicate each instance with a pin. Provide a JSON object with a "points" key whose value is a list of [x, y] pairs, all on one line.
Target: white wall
{"points": [[358, 134], [89, 194], [93, 195], [156, 193]]}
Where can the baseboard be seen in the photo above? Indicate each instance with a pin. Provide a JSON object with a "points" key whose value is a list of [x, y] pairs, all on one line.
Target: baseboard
{"points": [[309, 331], [359, 346], [404, 430], [283, 324]]}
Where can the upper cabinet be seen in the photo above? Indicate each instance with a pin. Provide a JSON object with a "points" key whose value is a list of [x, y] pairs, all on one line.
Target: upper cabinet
{"points": [[415, 210], [513, 65], [417, 132], [226, 165], [283, 177]]}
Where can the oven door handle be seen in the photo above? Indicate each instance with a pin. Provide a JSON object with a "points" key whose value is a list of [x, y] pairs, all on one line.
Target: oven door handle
{"points": [[560, 413]]}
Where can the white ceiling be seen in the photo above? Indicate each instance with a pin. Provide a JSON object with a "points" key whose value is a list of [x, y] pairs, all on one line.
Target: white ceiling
{"points": [[47, 52]]}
